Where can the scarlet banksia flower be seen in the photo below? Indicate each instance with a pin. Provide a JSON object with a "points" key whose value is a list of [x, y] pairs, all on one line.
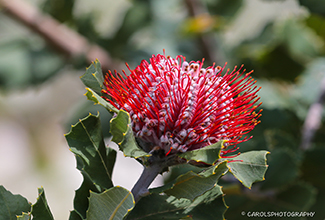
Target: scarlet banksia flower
{"points": [[180, 106]]}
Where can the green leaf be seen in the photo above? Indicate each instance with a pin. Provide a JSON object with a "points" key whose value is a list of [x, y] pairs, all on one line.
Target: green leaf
{"points": [[41, 210], [319, 204], [300, 40], [287, 68], [300, 196], [192, 185], [12, 205], [93, 77], [93, 96], [81, 201], [314, 6], [24, 216], [249, 167], [315, 22], [74, 215], [123, 136], [224, 8], [293, 198], [210, 205], [94, 160], [209, 154], [161, 207], [313, 165], [282, 171], [86, 141], [114, 203]]}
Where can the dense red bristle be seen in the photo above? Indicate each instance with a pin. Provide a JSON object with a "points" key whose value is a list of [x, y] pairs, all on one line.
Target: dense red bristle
{"points": [[196, 106]]}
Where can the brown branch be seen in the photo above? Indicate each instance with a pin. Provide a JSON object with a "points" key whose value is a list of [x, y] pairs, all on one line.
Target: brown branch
{"points": [[313, 119], [57, 35], [207, 41]]}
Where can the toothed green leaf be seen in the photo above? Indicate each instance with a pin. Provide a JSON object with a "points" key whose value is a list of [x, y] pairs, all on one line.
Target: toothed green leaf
{"points": [[191, 185], [249, 167], [209, 154], [12, 205], [123, 135], [24, 216], [93, 77], [41, 210], [86, 141], [93, 96], [114, 203], [209, 205]]}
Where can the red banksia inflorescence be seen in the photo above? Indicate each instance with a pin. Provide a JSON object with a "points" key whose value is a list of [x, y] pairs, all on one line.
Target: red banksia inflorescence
{"points": [[180, 106]]}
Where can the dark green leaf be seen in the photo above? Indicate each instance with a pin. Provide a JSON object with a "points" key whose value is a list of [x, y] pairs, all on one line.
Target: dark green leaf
{"points": [[93, 78], [283, 169], [319, 204], [249, 167], [225, 8], [61, 10], [93, 96], [74, 215], [295, 197], [287, 68], [315, 6], [24, 216], [86, 141], [12, 205], [209, 154], [161, 207], [192, 185], [123, 135], [210, 205], [316, 23], [300, 196], [94, 160], [41, 210], [114, 203], [313, 166], [81, 201]]}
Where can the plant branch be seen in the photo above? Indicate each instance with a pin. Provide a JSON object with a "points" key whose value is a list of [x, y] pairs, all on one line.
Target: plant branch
{"points": [[148, 175], [57, 35], [157, 164], [313, 119]]}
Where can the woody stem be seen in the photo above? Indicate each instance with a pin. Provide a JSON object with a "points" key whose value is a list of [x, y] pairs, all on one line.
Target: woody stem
{"points": [[149, 173]]}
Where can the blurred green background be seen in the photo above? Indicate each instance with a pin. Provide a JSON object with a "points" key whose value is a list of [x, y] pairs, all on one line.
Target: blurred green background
{"points": [[41, 95]]}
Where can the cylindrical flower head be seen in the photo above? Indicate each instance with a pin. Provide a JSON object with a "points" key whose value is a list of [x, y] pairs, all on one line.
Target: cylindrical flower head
{"points": [[180, 106]]}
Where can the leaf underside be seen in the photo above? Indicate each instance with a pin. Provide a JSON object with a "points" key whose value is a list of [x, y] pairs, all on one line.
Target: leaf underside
{"points": [[249, 167]]}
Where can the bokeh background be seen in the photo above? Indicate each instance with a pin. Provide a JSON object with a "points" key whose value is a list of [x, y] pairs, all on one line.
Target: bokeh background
{"points": [[45, 46]]}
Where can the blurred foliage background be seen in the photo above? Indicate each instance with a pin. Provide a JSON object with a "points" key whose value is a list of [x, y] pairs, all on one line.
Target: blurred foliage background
{"points": [[283, 41]]}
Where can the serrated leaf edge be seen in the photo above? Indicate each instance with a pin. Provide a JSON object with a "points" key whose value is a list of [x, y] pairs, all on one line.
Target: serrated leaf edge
{"points": [[80, 121], [266, 165]]}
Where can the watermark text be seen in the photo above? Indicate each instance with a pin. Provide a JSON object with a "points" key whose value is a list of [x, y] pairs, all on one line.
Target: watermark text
{"points": [[270, 214]]}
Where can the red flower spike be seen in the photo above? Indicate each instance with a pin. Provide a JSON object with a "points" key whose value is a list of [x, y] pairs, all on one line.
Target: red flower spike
{"points": [[181, 106]]}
